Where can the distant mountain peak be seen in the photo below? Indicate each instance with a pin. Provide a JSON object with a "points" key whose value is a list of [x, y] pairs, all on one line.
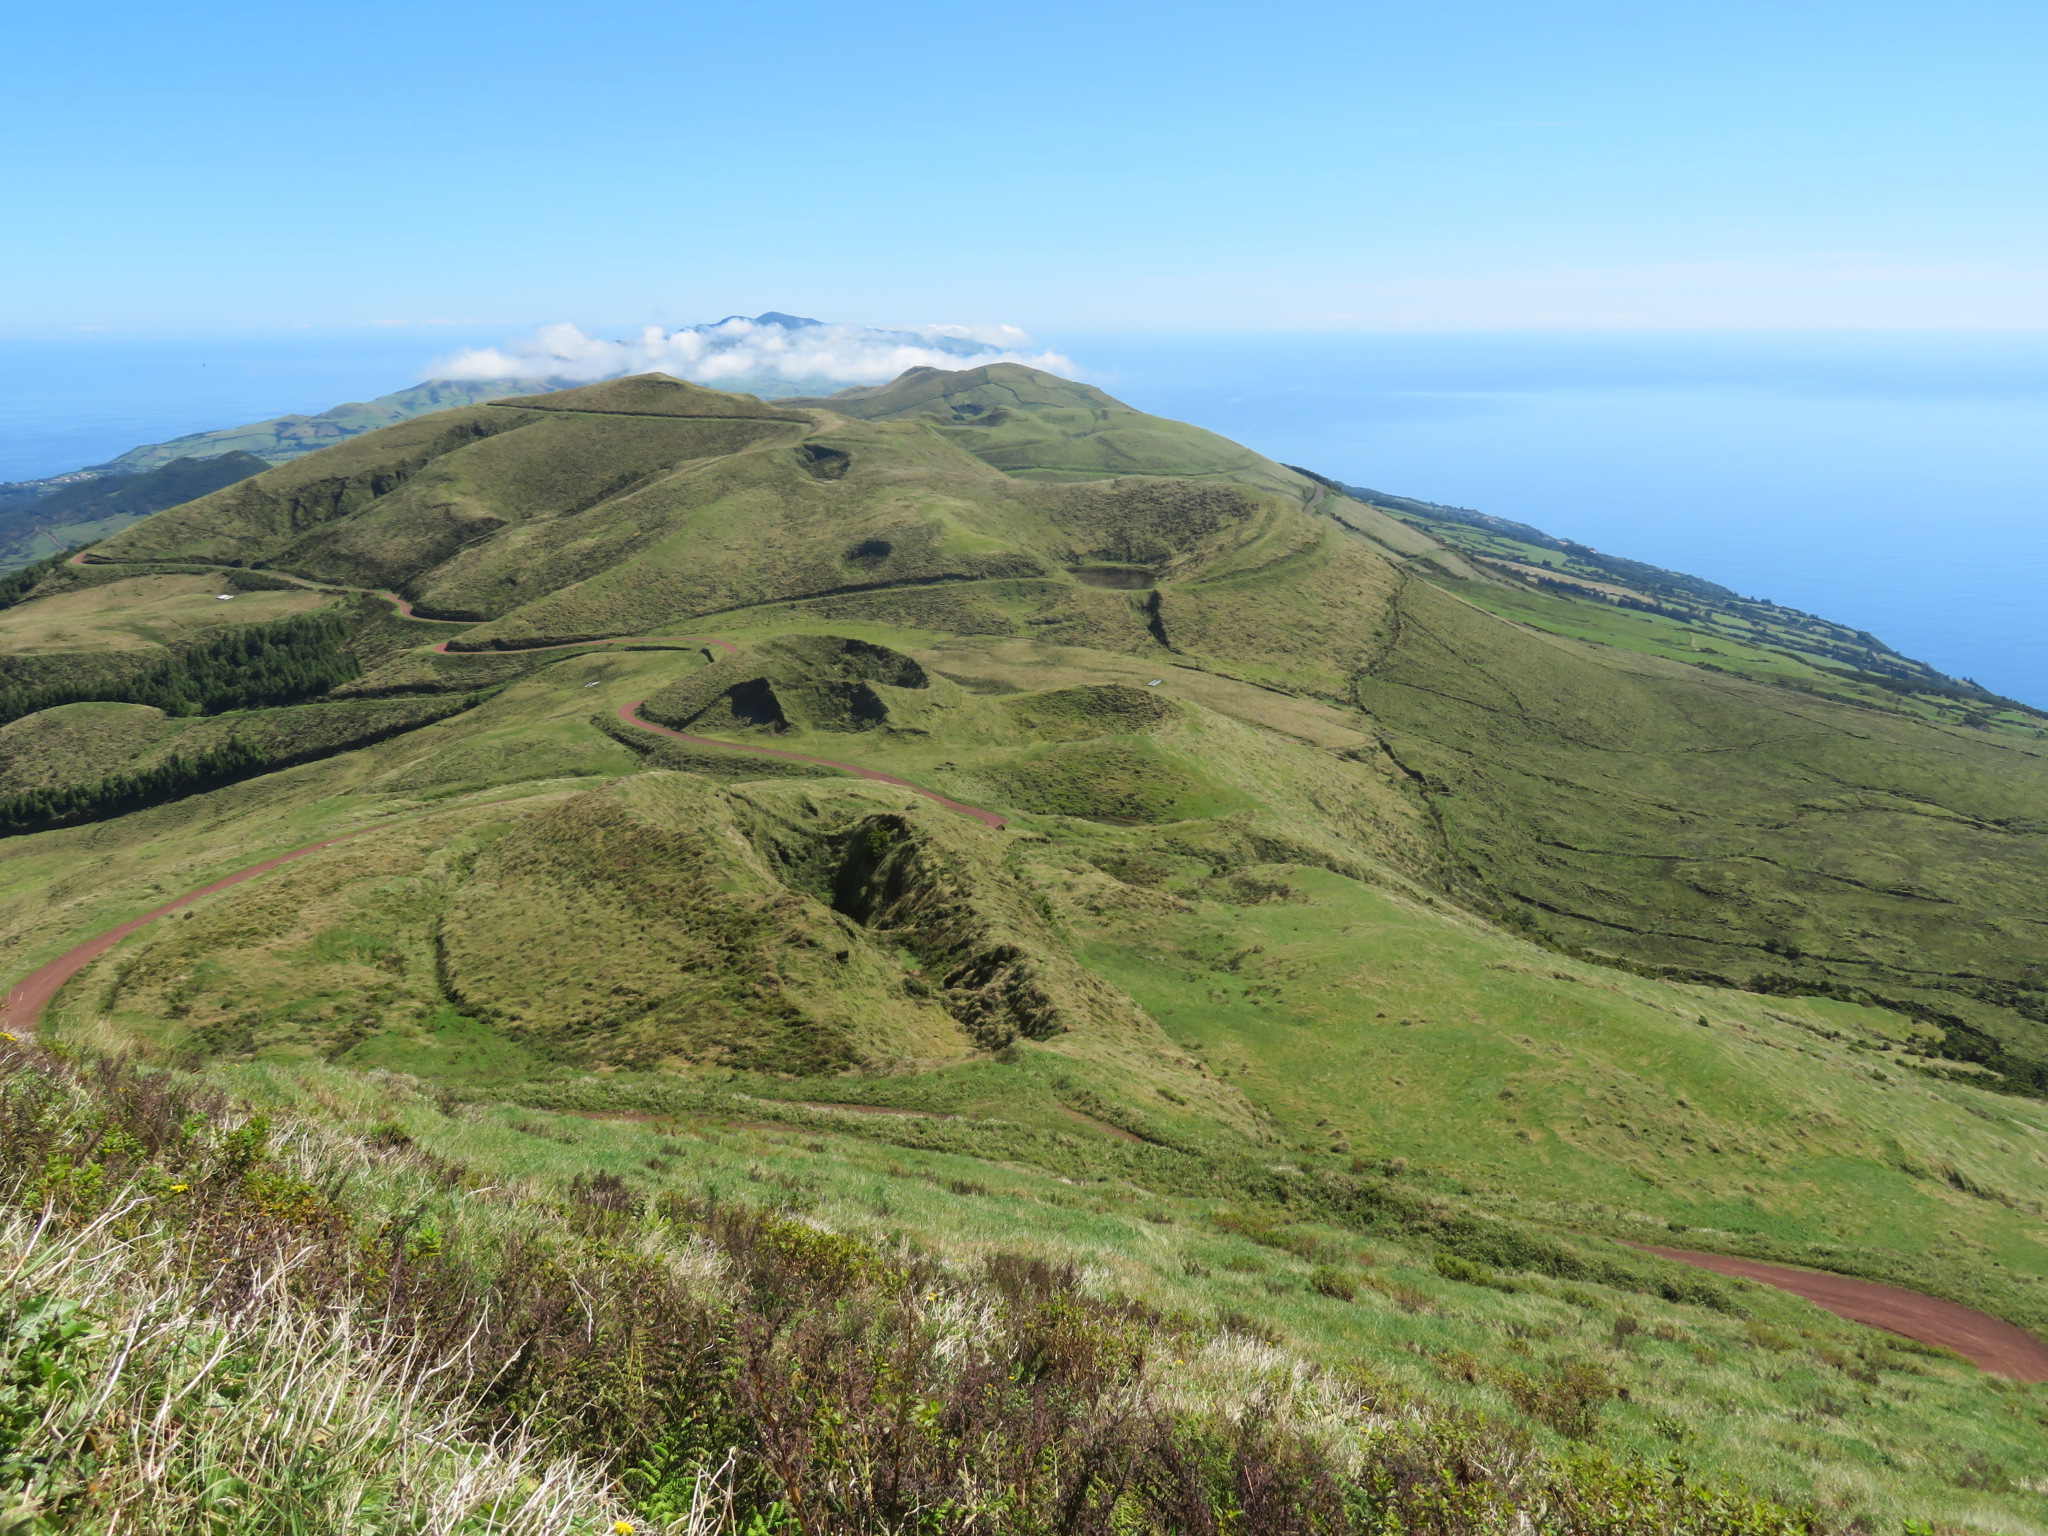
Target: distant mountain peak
{"points": [[771, 317], [652, 394], [767, 354]]}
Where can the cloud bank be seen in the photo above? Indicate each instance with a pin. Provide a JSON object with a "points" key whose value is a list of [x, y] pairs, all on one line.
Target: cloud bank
{"points": [[778, 350]]}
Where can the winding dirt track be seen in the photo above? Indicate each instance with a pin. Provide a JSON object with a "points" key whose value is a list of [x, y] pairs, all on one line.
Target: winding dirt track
{"points": [[1978, 1337], [402, 604], [631, 712], [24, 1005], [674, 642]]}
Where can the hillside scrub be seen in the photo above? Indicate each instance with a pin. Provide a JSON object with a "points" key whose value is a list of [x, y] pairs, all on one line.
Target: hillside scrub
{"points": [[77, 511], [16, 585], [247, 667], [261, 743], [214, 1322]]}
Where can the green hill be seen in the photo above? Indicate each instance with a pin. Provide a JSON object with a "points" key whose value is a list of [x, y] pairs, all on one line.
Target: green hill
{"points": [[1643, 607], [80, 511], [39, 517], [287, 437], [1357, 946]]}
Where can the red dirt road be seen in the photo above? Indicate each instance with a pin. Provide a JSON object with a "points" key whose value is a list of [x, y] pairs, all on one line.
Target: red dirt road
{"points": [[630, 713], [679, 641], [1978, 1337], [404, 607], [25, 1004], [1987, 1341]]}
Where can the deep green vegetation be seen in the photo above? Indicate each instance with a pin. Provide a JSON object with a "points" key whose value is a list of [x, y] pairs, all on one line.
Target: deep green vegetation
{"points": [[16, 585], [246, 667], [252, 666], [1384, 936], [196, 762], [31, 810]]}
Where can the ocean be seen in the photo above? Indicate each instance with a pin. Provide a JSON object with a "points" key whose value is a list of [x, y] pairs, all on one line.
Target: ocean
{"points": [[1896, 482]]}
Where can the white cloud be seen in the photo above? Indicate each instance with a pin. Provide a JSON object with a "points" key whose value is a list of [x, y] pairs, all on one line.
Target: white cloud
{"points": [[740, 350]]}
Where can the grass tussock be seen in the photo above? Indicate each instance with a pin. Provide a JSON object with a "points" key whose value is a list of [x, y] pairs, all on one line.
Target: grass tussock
{"points": [[210, 1322]]}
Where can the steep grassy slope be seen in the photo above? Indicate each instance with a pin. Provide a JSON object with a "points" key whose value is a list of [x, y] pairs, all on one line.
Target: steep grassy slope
{"points": [[80, 511], [1567, 588], [1038, 426], [1356, 961], [316, 1318], [1711, 826], [38, 517], [642, 502]]}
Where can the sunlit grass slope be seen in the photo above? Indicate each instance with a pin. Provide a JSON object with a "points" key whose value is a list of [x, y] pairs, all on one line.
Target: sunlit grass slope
{"points": [[1568, 588], [1039, 426], [1363, 964], [362, 1311]]}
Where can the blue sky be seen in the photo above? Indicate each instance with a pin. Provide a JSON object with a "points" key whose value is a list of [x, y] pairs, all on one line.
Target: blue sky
{"points": [[1466, 163]]}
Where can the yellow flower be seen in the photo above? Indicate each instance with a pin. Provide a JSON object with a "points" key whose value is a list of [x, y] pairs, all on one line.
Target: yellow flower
{"points": [[179, 1189], [6, 1036], [622, 1527]]}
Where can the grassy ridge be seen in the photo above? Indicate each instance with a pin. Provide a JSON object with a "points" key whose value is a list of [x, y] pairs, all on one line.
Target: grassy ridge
{"points": [[34, 528], [1034, 425], [1362, 960], [1568, 588]]}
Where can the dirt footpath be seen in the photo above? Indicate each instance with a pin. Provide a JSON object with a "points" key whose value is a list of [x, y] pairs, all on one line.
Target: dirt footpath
{"points": [[1978, 1337]]}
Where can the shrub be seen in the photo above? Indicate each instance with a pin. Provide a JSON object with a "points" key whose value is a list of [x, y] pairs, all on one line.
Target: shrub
{"points": [[1451, 1267], [247, 667], [1568, 1400], [1338, 1284], [315, 1334]]}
